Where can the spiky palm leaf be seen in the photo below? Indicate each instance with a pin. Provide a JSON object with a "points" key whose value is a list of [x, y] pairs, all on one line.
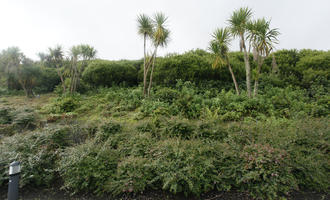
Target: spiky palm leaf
{"points": [[145, 26], [261, 36], [161, 33], [87, 52], [55, 56], [219, 46], [238, 21]]}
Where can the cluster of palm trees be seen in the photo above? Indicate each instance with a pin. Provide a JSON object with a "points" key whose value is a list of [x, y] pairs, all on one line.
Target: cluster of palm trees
{"points": [[80, 53], [256, 33], [153, 29]]}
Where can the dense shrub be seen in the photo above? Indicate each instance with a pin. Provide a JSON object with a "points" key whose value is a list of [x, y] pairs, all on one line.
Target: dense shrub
{"points": [[134, 175], [17, 120], [196, 66], [107, 130], [88, 167], [108, 73], [265, 171], [24, 119], [5, 116], [185, 166], [181, 129], [37, 153], [63, 104], [47, 81]]}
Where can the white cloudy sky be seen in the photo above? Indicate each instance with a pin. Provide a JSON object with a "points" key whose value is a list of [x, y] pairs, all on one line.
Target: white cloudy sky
{"points": [[110, 25]]}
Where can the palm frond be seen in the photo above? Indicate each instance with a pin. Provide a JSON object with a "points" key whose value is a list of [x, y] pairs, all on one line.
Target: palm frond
{"points": [[261, 37], [238, 21], [145, 26]]}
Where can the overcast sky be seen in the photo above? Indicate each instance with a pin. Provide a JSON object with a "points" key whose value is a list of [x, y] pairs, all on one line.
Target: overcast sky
{"points": [[110, 25]]}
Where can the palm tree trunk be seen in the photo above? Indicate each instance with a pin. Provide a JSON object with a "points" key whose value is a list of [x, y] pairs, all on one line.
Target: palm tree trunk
{"points": [[233, 77], [256, 83], [152, 71], [144, 67], [61, 77], [75, 79], [247, 68], [73, 75]]}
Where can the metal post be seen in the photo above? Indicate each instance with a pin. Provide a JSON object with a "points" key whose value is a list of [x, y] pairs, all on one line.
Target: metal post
{"points": [[14, 172]]}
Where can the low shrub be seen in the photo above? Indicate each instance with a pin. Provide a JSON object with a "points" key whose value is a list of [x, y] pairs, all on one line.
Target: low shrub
{"points": [[37, 153], [63, 104], [185, 166], [180, 128], [265, 171], [5, 116], [107, 130], [134, 175], [88, 167], [25, 119]]}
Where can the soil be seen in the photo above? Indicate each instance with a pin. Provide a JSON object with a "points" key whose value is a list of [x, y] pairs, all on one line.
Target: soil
{"points": [[57, 194]]}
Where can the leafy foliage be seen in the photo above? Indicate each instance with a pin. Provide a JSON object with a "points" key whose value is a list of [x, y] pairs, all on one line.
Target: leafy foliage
{"points": [[107, 73]]}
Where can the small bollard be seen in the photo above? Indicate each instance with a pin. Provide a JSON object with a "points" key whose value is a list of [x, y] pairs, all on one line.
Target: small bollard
{"points": [[14, 172]]}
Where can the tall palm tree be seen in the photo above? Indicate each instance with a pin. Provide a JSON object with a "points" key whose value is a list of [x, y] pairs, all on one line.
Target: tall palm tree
{"points": [[238, 22], [262, 39], [160, 38], [75, 52], [56, 58], [87, 53], [219, 46], [145, 28]]}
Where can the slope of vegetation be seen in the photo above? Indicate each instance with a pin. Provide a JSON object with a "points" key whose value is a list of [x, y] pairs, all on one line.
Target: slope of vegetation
{"points": [[186, 123]]}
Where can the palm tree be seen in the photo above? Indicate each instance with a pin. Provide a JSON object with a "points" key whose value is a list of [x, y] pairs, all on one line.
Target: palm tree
{"points": [[238, 22], [145, 28], [75, 52], [160, 38], [262, 39], [219, 46], [87, 53], [56, 58]]}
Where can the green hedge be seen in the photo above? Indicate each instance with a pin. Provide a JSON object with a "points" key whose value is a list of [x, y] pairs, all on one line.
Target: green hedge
{"points": [[195, 66], [108, 73]]}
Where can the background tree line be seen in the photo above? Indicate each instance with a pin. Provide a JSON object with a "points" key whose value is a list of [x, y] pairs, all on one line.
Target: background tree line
{"points": [[304, 68]]}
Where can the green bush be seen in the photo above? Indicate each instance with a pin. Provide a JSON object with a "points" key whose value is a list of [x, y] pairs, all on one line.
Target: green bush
{"points": [[63, 104], [309, 154], [20, 119], [151, 108], [265, 171], [166, 95], [134, 175], [109, 73], [107, 130], [25, 119], [181, 129], [37, 153], [88, 167], [48, 80], [195, 66], [211, 130], [5, 116], [185, 166]]}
